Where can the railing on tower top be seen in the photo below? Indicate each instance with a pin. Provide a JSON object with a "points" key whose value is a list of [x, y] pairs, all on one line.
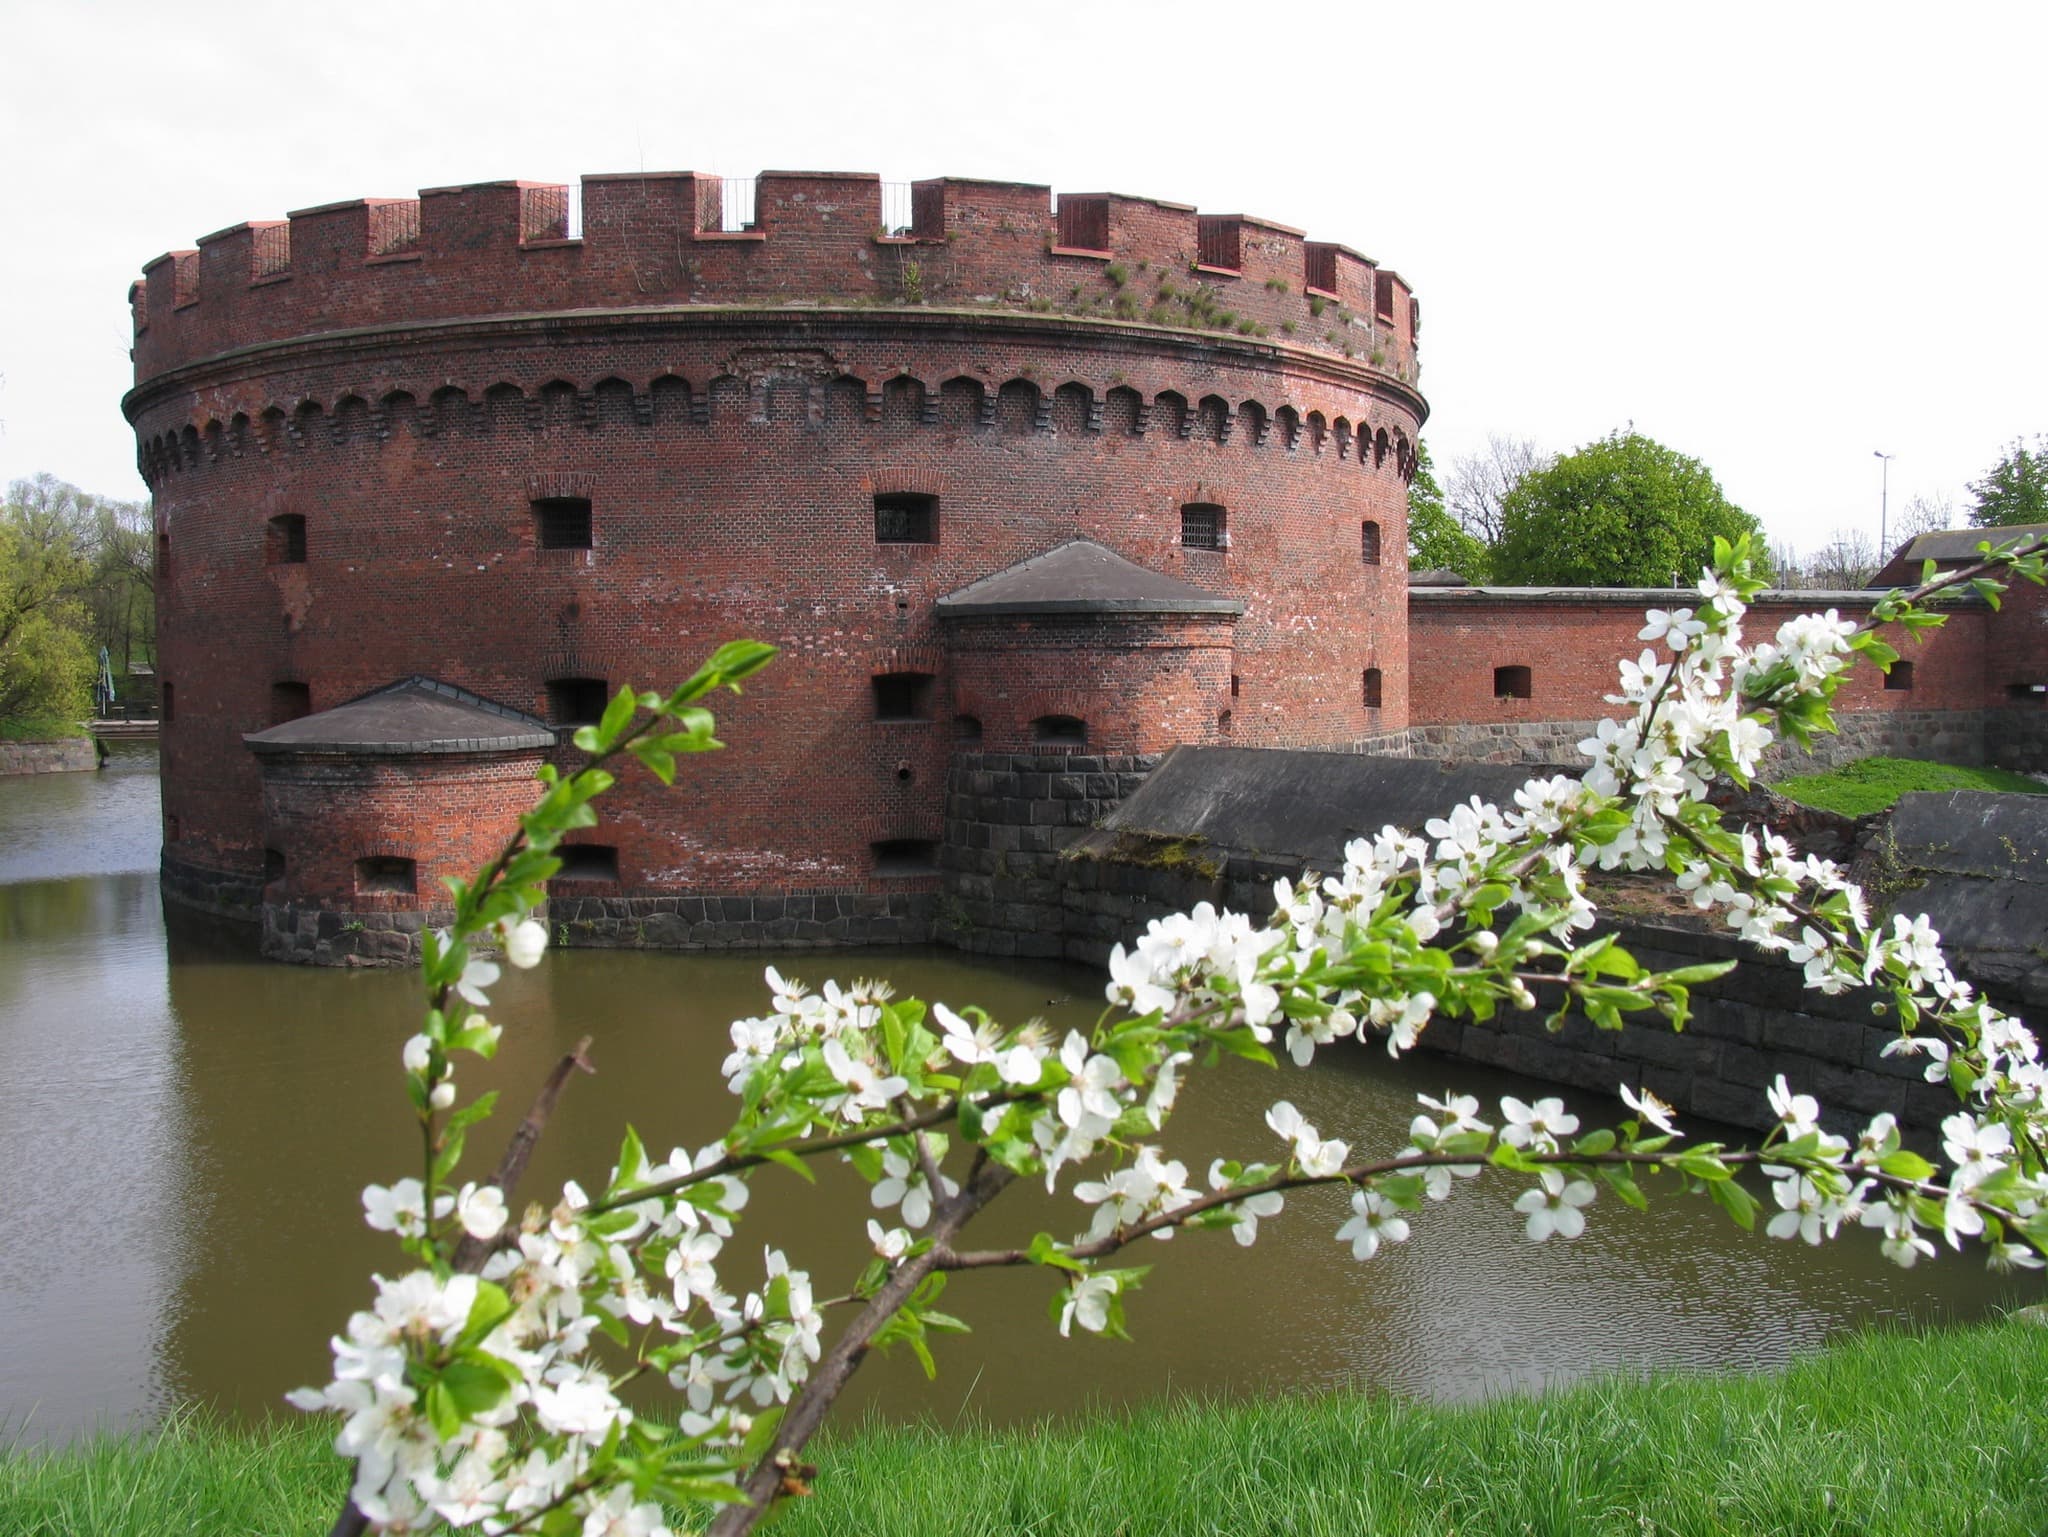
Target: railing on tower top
{"points": [[725, 204], [899, 215], [394, 227], [551, 213]]}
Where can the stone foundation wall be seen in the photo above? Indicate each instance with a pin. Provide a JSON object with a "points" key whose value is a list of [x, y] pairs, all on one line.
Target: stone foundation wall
{"points": [[795, 922], [1009, 816], [68, 756], [1948, 736], [2017, 738], [207, 889]]}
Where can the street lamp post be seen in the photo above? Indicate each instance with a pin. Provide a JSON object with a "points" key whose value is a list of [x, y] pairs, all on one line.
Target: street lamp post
{"points": [[1884, 496]]}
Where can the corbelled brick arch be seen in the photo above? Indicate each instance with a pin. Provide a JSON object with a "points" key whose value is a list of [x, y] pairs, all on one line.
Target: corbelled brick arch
{"points": [[529, 453]]}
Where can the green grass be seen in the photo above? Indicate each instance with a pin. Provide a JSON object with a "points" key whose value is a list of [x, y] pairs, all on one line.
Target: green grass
{"points": [[40, 730], [1874, 784], [1922, 1435]]}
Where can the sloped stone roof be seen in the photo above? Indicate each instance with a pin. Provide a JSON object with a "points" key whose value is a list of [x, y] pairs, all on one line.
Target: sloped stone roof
{"points": [[1082, 577], [1950, 547], [414, 715]]}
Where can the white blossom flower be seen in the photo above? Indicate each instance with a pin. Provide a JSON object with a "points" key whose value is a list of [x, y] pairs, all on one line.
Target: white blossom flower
{"points": [[400, 1208], [477, 974], [1374, 1219], [1268, 1203], [1555, 1205], [1536, 1127], [1797, 1113], [1649, 1107], [481, 1211], [418, 1054], [1087, 1304]]}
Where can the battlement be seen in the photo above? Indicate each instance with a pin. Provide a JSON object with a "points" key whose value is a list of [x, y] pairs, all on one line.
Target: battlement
{"points": [[784, 239]]}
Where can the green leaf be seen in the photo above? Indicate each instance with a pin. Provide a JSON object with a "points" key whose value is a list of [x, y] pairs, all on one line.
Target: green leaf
{"points": [[441, 1411], [1736, 1201], [489, 1309], [1622, 1183], [1594, 1142], [617, 715], [788, 1160], [1906, 1164], [1044, 1251], [472, 1388]]}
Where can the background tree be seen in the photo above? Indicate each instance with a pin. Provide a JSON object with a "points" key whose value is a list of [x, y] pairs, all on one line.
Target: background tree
{"points": [[46, 665], [1436, 540], [2015, 490], [93, 565], [1622, 512], [1848, 559], [1479, 483]]}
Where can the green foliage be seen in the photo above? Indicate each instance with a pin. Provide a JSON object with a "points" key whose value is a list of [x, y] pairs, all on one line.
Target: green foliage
{"points": [[1436, 540], [2015, 490], [76, 574], [1624, 511], [1875, 784]]}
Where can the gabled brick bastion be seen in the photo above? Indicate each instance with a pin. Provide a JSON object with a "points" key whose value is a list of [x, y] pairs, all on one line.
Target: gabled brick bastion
{"points": [[1005, 476]]}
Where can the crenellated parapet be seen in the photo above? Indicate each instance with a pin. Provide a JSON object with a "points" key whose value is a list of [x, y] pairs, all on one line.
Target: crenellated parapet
{"points": [[796, 239]]}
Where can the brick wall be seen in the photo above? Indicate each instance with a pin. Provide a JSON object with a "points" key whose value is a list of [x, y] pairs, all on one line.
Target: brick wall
{"points": [[1571, 644]]}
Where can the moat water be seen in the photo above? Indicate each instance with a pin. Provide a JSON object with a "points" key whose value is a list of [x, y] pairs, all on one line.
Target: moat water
{"points": [[184, 1130]]}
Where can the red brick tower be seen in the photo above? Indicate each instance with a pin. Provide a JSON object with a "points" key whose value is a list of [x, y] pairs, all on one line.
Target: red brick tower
{"points": [[526, 446]]}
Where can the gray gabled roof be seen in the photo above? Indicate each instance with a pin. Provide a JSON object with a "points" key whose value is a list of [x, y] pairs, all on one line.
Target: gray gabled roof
{"points": [[1082, 577], [413, 715]]}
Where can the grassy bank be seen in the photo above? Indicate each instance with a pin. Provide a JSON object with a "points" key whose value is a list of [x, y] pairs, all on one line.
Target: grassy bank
{"points": [[40, 730], [1874, 784], [1943, 1433]]}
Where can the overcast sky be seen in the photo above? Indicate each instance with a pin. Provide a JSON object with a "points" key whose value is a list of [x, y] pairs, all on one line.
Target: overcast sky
{"points": [[1778, 238]]}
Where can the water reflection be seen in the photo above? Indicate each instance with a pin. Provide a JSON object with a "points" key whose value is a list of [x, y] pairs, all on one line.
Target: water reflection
{"points": [[188, 1130]]}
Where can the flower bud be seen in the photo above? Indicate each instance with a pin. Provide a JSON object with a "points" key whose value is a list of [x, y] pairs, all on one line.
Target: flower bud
{"points": [[418, 1054], [524, 943], [443, 1095]]}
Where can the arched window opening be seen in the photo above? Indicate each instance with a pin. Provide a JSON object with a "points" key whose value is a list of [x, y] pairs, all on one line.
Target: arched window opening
{"points": [[906, 517], [1372, 688], [577, 701], [1512, 683], [587, 862], [562, 522], [1059, 731], [1900, 678], [905, 856], [903, 696], [385, 875], [1369, 542], [967, 728], [290, 701], [284, 544]]}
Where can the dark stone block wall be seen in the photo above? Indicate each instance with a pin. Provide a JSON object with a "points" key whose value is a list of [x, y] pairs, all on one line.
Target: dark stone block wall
{"points": [[1009, 819]]}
